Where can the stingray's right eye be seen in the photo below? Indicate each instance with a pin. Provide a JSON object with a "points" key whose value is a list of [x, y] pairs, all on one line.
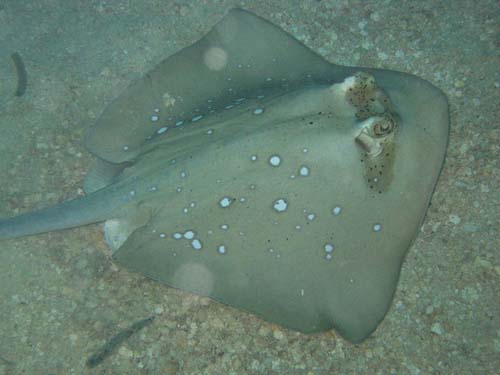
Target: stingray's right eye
{"points": [[383, 126]]}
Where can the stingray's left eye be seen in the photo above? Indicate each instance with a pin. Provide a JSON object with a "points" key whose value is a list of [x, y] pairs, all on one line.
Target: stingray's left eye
{"points": [[383, 127]]}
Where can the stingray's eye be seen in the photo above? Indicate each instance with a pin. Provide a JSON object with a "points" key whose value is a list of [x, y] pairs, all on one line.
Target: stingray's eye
{"points": [[383, 127]]}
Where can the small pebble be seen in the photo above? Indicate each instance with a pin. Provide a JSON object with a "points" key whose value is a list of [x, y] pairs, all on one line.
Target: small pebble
{"points": [[471, 228], [158, 310], [263, 331], [123, 351], [437, 329], [482, 263], [278, 335]]}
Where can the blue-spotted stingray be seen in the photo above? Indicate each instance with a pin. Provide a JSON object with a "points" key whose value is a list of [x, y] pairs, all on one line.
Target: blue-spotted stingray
{"points": [[249, 169]]}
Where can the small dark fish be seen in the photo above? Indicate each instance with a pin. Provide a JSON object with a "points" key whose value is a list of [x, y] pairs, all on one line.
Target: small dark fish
{"points": [[22, 74], [116, 341]]}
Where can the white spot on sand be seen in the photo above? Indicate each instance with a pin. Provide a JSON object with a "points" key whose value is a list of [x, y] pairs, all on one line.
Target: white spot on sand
{"points": [[275, 160], [280, 205], [253, 158], [258, 111], [155, 118], [189, 235], [196, 118], [221, 249], [177, 235], [329, 247], [162, 235], [311, 217], [125, 148], [196, 244], [162, 130], [179, 123], [377, 227], [210, 131], [336, 210], [225, 202], [152, 189], [224, 227], [304, 171]]}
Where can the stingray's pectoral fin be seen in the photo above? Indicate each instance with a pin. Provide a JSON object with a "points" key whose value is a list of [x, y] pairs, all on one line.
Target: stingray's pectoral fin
{"points": [[117, 230], [102, 173]]}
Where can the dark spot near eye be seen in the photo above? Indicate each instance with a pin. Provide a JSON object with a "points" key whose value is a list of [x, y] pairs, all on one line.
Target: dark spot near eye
{"points": [[380, 173], [311, 122], [380, 191], [371, 186]]}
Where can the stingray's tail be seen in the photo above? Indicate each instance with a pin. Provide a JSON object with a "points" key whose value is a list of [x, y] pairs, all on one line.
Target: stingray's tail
{"points": [[92, 208]]}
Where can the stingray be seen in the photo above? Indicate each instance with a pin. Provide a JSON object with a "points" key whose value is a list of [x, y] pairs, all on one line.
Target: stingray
{"points": [[247, 168]]}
